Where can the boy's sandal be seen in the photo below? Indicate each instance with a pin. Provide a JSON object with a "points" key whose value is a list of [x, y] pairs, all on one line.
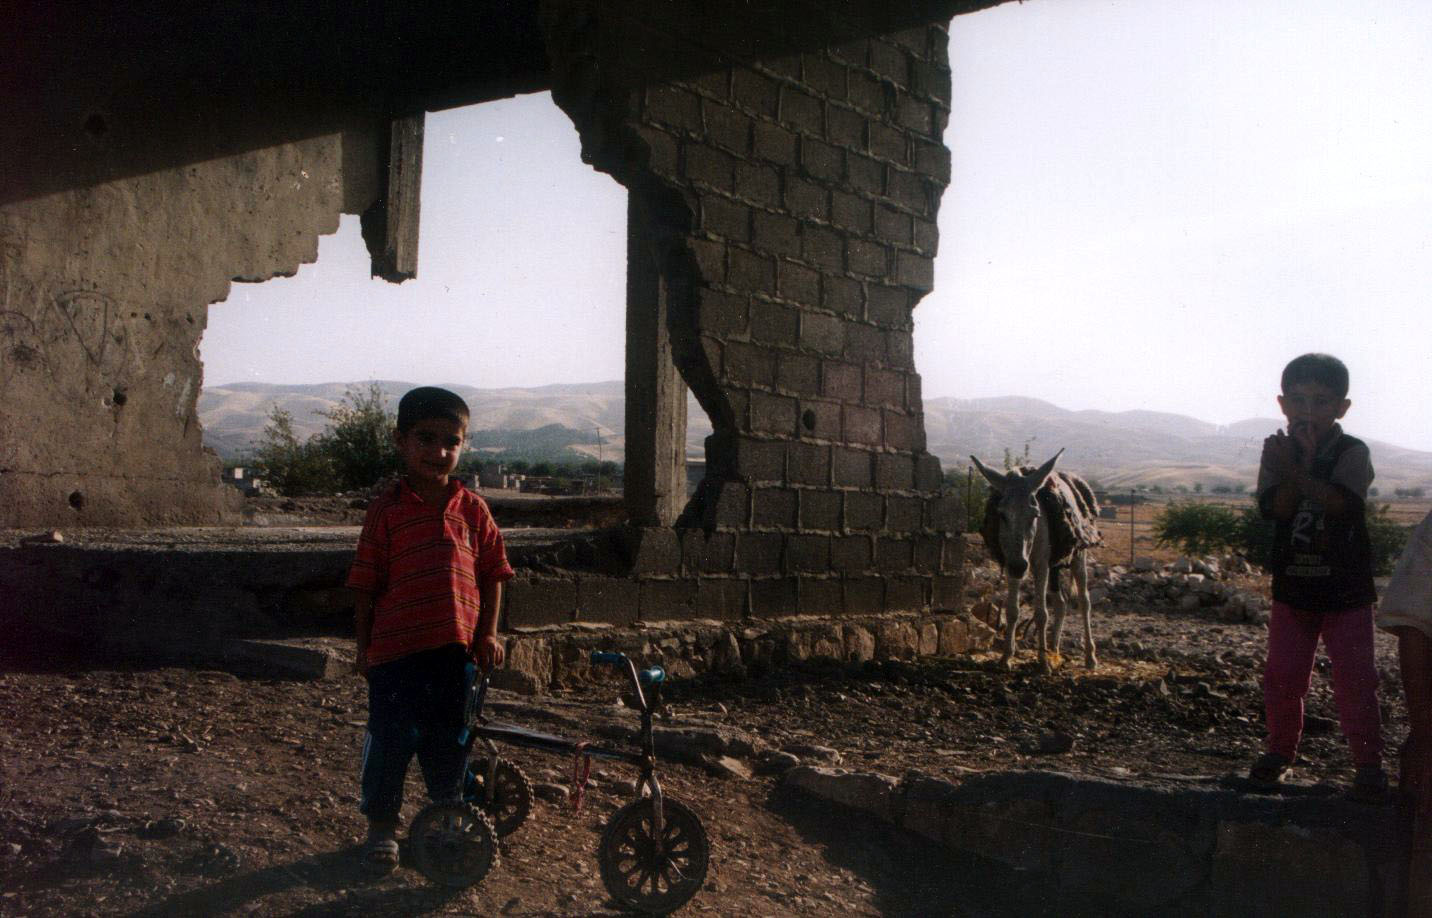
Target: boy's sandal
{"points": [[1269, 770], [380, 853]]}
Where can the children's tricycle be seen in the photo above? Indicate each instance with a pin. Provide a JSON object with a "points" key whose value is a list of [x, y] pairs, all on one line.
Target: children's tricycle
{"points": [[653, 852]]}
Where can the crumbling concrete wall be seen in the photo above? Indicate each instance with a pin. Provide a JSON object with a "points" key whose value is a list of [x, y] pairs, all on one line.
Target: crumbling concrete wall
{"points": [[104, 291], [785, 164], [790, 182]]}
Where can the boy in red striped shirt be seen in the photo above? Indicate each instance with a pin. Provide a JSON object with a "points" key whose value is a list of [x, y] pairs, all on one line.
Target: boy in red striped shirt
{"points": [[428, 579]]}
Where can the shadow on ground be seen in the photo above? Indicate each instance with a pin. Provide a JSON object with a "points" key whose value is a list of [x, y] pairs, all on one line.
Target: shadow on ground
{"points": [[335, 873]]}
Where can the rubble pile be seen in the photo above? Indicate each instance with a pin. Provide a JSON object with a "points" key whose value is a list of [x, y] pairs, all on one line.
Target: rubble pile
{"points": [[1228, 589]]}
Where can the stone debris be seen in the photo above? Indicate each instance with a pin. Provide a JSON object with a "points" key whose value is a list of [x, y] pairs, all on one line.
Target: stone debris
{"points": [[550, 791], [821, 754], [1052, 742], [727, 767]]}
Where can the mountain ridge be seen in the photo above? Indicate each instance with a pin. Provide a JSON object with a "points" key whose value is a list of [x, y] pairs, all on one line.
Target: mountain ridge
{"points": [[1117, 448]]}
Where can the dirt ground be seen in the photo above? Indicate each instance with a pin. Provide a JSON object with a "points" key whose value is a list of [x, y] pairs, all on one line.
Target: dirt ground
{"points": [[177, 792]]}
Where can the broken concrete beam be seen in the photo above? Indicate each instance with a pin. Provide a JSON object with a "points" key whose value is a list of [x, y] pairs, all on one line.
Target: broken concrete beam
{"points": [[291, 658]]}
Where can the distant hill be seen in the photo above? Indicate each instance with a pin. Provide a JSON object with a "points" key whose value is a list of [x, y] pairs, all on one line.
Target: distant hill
{"points": [[234, 416], [1119, 449]]}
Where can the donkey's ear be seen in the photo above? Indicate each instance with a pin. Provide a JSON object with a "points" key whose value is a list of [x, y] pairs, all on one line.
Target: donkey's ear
{"points": [[995, 479], [1041, 474]]}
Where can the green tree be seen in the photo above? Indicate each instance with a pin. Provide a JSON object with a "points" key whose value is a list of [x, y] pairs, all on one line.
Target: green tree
{"points": [[359, 439], [291, 467]]}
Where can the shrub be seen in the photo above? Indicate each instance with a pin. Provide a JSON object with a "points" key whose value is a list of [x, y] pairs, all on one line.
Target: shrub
{"points": [[1387, 537], [1197, 528], [1255, 537]]}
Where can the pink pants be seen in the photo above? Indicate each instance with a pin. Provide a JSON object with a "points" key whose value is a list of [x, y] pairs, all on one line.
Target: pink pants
{"points": [[1292, 643]]}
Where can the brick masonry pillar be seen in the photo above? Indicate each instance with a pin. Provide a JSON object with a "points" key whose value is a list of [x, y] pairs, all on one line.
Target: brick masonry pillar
{"points": [[791, 167]]}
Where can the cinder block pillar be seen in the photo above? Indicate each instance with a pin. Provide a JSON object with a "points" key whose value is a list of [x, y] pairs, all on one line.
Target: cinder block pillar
{"points": [[655, 477]]}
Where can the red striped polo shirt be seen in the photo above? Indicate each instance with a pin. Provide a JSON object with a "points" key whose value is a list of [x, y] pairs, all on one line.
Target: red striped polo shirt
{"points": [[425, 566]]}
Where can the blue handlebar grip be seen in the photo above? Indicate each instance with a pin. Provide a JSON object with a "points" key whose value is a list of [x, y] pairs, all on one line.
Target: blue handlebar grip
{"points": [[462, 737], [471, 672], [654, 674], [608, 657]]}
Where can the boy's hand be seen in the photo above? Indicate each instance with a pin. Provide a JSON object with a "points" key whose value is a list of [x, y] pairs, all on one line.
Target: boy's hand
{"points": [[487, 650], [1279, 453], [1301, 433]]}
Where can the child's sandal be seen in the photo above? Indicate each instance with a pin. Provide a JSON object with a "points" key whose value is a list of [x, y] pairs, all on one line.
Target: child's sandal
{"points": [[380, 853], [1269, 771]]}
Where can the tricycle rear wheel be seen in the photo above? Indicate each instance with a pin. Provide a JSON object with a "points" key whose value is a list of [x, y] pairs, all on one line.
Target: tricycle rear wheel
{"points": [[634, 873], [453, 844]]}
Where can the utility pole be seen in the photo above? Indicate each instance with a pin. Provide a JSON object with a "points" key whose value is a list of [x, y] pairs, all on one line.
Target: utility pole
{"points": [[1132, 505], [599, 459], [969, 492]]}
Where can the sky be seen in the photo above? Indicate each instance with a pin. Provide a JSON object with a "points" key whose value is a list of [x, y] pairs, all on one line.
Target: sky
{"points": [[1154, 205]]}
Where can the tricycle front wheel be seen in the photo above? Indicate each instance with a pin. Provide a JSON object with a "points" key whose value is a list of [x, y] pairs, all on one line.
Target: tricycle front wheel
{"points": [[511, 794], [640, 876]]}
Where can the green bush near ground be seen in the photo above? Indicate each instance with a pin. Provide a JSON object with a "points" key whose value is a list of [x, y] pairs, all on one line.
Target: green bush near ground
{"points": [[1388, 539], [1197, 528]]}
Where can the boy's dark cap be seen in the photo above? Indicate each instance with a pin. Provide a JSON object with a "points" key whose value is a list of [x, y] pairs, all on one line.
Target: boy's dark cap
{"points": [[426, 402]]}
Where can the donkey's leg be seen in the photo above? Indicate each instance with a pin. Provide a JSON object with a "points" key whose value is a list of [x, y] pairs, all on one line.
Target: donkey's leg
{"points": [[1056, 628], [1081, 579], [1011, 619], [1041, 611]]}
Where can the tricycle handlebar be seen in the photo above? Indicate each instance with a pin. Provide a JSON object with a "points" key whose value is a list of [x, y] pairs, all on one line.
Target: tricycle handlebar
{"points": [[649, 676]]}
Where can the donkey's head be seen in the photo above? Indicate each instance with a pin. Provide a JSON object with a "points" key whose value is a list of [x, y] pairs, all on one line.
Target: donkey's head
{"points": [[1018, 511]]}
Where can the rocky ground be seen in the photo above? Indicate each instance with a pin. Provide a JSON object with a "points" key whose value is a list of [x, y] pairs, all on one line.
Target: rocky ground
{"points": [[175, 791]]}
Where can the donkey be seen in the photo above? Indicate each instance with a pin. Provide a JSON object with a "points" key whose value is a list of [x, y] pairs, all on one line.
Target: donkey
{"points": [[1039, 521]]}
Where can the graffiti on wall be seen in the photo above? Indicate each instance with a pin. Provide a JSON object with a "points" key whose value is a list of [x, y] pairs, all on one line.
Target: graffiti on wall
{"points": [[78, 338]]}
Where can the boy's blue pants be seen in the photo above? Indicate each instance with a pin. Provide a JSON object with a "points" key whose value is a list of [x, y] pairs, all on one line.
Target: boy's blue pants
{"points": [[415, 705]]}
